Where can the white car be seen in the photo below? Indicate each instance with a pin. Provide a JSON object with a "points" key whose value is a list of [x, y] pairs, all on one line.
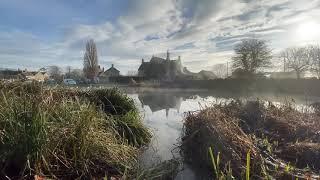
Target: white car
{"points": [[69, 82]]}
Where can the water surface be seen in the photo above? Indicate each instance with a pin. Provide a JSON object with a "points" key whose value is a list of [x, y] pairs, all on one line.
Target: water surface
{"points": [[163, 111]]}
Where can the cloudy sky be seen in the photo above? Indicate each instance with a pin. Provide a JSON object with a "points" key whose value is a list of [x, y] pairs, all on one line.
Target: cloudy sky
{"points": [[37, 33]]}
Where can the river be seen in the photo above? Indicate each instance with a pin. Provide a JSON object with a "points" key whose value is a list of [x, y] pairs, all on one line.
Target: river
{"points": [[163, 111]]}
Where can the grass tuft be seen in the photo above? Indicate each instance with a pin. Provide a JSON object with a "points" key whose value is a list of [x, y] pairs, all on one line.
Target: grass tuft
{"points": [[65, 134]]}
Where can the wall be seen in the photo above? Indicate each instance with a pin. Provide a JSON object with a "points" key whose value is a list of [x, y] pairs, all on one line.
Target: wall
{"points": [[125, 79]]}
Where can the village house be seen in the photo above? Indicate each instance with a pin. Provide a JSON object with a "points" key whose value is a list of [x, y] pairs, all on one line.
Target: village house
{"points": [[40, 76], [11, 75], [104, 76], [159, 68], [111, 72], [285, 75], [169, 70]]}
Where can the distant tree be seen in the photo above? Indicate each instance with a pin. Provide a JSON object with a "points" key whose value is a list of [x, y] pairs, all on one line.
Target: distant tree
{"points": [[297, 58], [252, 54], [76, 74], [314, 52], [220, 70], [55, 73], [90, 61]]}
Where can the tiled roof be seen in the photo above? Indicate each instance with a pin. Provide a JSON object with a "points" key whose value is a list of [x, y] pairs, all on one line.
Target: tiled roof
{"points": [[112, 69]]}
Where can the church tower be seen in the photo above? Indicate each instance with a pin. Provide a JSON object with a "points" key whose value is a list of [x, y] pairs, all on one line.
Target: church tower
{"points": [[168, 56]]}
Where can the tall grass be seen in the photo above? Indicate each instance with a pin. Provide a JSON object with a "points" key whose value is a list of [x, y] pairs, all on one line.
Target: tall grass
{"points": [[248, 166], [23, 131], [120, 111], [54, 134]]}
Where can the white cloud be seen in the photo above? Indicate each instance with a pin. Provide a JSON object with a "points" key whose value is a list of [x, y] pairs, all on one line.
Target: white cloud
{"points": [[207, 29]]}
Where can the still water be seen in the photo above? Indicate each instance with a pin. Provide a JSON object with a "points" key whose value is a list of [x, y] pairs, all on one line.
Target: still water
{"points": [[163, 111]]}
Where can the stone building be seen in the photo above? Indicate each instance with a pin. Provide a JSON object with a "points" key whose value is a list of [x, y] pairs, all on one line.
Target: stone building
{"points": [[162, 69]]}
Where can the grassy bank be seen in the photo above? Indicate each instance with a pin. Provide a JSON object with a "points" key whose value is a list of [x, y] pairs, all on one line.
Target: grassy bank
{"points": [[66, 134], [253, 140]]}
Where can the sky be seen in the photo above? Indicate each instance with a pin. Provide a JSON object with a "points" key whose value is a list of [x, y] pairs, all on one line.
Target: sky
{"points": [[39, 33]]}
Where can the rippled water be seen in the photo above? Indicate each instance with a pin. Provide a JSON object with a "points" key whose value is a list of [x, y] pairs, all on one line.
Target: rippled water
{"points": [[164, 110]]}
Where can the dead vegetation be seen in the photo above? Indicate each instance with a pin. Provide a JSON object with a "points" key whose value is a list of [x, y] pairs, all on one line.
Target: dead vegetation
{"points": [[283, 142]]}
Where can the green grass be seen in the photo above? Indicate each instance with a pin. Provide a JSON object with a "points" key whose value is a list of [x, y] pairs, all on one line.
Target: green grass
{"points": [[248, 166], [59, 133], [120, 111]]}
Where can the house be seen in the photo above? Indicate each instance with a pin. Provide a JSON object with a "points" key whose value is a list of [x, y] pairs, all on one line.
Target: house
{"points": [[111, 72], [11, 75], [169, 70], [284, 75], [39, 76], [104, 76], [28, 75], [159, 68]]}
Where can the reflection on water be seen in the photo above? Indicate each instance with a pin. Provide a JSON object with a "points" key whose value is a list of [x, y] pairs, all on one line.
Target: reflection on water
{"points": [[163, 112]]}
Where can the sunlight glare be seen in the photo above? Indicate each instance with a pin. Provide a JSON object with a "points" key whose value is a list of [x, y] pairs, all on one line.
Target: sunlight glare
{"points": [[308, 31]]}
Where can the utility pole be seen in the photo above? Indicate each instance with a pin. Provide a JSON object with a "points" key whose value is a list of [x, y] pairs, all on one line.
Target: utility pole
{"points": [[284, 64], [227, 69]]}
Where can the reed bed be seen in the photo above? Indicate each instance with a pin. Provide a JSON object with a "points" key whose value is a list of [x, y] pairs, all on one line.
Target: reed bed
{"points": [[67, 134], [282, 142]]}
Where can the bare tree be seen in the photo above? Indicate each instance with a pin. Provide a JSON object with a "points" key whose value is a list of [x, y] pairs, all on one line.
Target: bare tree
{"points": [[251, 54], [90, 63], [315, 59], [55, 73], [297, 59], [220, 70]]}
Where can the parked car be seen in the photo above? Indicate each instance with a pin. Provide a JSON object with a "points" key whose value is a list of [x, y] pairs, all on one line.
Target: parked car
{"points": [[69, 82]]}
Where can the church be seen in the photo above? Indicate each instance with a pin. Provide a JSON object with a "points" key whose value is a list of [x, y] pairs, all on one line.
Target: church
{"points": [[161, 69]]}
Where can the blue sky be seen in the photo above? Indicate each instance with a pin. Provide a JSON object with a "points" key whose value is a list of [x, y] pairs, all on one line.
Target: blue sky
{"points": [[38, 33]]}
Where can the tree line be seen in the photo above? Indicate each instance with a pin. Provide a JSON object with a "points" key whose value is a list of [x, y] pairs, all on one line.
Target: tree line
{"points": [[253, 55]]}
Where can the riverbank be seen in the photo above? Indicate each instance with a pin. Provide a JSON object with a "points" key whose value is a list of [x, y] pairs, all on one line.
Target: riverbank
{"points": [[64, 133], [254, 139], [295, 86]]}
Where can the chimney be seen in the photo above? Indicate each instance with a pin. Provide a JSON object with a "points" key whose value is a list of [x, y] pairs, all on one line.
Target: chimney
{"points": [[168, 55], [142, 60], [179, 58], [112, 65]]}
